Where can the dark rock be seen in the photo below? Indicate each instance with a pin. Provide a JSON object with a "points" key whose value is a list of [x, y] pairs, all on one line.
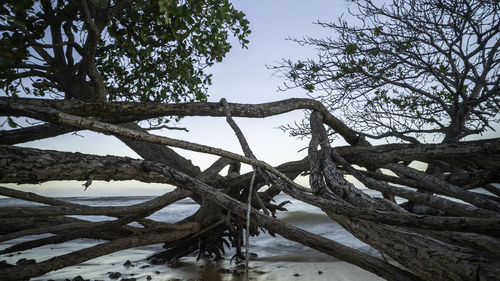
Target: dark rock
{"points": [[157, 261], [4, 264], [128, 279], [224, 270], [240, 266], [78, 278], [128, 264], [145, 266], [157, 272], [296, 275], [320, 272], [253, 255], [115, 275], [24, 261], [149, 277]]}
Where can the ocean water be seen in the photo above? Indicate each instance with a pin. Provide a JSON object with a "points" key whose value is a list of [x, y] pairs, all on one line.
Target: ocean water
{"points": [[267, 247]]}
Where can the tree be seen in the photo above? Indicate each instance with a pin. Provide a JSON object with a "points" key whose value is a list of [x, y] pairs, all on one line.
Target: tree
{"points": [[458, 242], [106, 50], [115, 50], [408, 69]]}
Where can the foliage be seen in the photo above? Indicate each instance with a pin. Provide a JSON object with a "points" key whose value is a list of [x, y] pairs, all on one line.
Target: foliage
{"points": [[408, 68], [115, 50]]}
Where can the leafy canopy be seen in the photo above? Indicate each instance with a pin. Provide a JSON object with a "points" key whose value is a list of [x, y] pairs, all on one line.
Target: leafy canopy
{"points": [[115, 50], [407, 68]]}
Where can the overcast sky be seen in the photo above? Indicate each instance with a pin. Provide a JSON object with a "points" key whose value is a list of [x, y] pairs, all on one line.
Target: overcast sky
{"points": [[241, 77]]}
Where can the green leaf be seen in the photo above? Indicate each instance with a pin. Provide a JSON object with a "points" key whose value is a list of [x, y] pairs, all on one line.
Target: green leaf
{"points": [[309, 87], [299, 65], [350, 49], [166, 20], [150, 50], [100, 4], [11, 123]]}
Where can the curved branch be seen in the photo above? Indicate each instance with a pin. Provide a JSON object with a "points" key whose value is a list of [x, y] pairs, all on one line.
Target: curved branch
{"points": [[439, 186], [120, 112]]}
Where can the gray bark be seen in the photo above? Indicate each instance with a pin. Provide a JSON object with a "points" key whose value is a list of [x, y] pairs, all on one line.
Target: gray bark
{"points": [[422, 253], [459, 243]]}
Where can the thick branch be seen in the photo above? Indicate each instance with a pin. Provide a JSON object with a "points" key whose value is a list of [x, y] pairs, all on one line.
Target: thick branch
{"points": [[290, 232], [63, 208], [33, 133], [439, 186], [28, 165], [51, 115], [119, 112], [459, 224]]}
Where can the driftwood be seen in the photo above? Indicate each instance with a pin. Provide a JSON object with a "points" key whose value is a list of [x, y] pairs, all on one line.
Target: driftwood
{"points": [[444, 230]]}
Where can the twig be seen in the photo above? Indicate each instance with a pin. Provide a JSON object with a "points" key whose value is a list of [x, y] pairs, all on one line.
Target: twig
{"points": [[261, 203], [247, 232], [88, 182], [168, 128]]}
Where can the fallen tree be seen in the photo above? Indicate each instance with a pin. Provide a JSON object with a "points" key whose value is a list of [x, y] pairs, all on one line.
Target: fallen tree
{"points": [[459, 241], [109, 64]]}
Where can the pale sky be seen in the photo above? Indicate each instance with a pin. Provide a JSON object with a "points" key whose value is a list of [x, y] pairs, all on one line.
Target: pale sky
{"points": [[241, 77]]}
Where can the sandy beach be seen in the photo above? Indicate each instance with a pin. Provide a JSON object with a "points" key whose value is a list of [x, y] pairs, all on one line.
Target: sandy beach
{"points": [[277, 268], [212, 271]]}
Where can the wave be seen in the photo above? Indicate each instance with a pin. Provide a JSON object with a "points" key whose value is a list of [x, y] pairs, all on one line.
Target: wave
{"points": [[305, 217]]}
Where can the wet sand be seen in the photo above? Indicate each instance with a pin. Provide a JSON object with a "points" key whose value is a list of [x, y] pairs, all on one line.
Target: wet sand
{"points": [[279, 268]]}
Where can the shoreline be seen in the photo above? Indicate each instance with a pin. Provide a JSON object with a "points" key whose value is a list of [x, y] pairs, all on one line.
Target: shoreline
{"points": [[208, 270], [131, 264]]}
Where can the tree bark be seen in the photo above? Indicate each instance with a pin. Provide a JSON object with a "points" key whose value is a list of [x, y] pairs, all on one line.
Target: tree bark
{"points": [[436, 259], [317, 242], [460, 242]]}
